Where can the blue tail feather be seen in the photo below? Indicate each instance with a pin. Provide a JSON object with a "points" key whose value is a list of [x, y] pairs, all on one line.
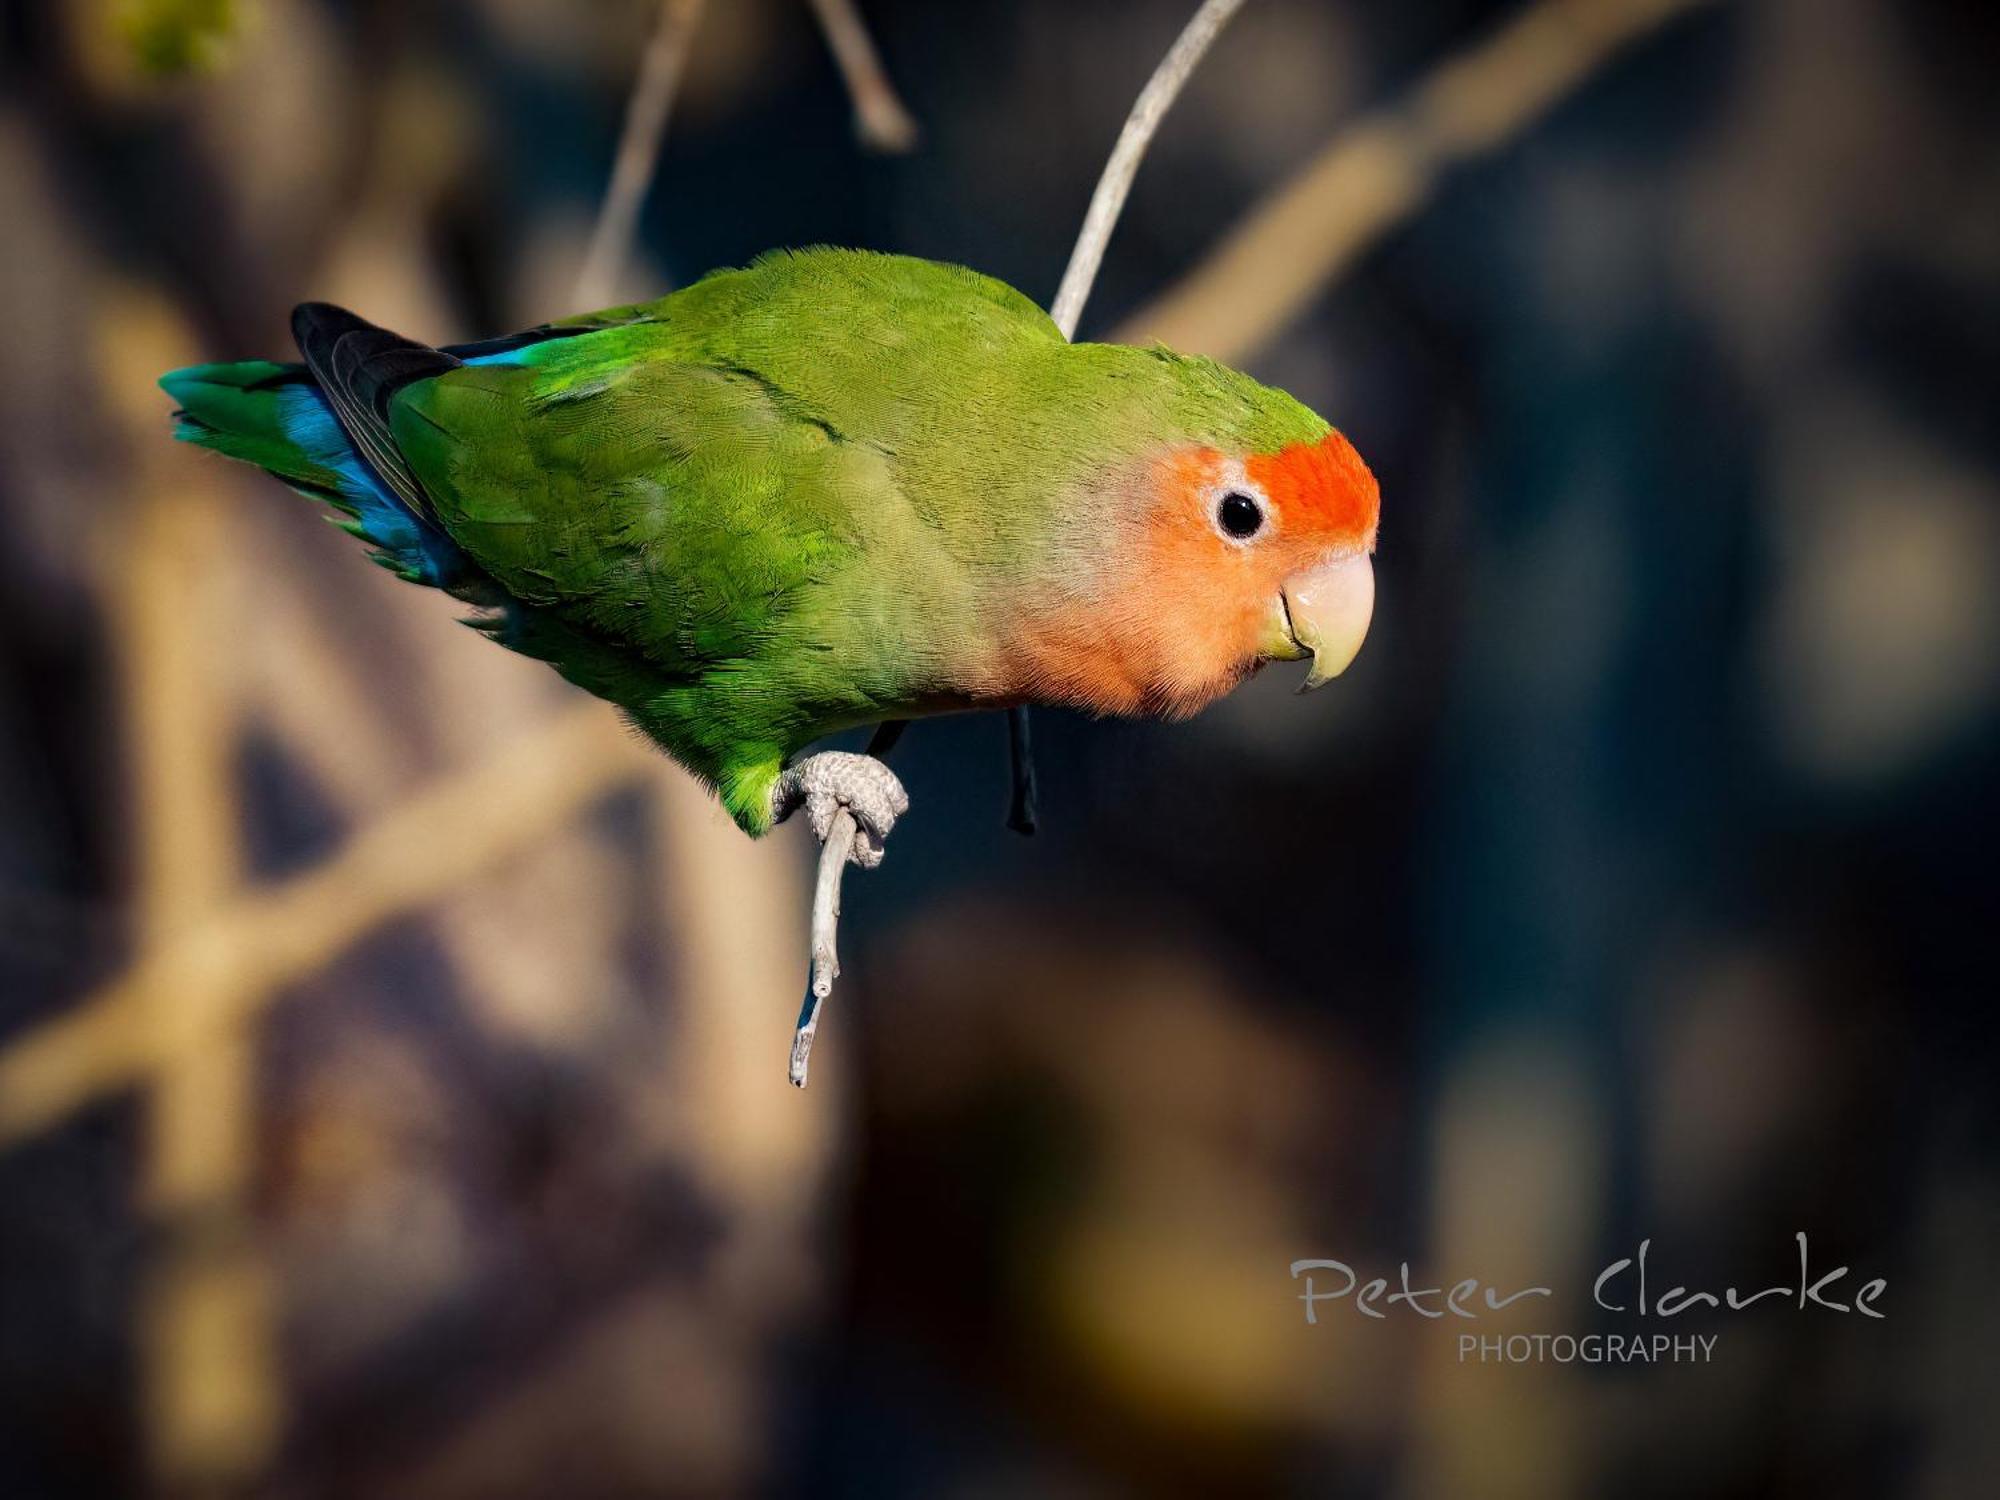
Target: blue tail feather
{"points": [[274, 416], [406, 543]]}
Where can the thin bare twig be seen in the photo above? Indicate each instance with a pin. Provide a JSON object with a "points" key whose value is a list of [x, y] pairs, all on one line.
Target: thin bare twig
{"points": [[833, 858], [880, 120], [638, 151], [1378, 172], [1098, 222], [1116, 182]]}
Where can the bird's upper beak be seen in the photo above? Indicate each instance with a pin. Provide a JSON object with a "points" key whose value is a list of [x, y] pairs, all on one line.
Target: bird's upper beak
{"points": [[1323, 614]]}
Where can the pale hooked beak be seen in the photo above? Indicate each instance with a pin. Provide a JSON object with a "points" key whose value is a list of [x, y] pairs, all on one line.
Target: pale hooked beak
{"points": [[1324, 614]]}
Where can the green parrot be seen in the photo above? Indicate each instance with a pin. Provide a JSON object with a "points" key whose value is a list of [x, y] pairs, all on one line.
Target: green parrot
{"points": [[830, 489]]}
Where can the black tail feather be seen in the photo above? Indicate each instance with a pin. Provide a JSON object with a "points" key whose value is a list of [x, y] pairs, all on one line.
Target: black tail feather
{"points": [[360, 366]]}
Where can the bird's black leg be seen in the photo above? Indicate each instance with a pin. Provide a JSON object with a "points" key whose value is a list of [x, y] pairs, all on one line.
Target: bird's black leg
{"points": [[884, 739], [1021, 811]]}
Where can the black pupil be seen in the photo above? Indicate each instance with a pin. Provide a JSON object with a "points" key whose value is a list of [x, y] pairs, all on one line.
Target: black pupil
{"points": [[1239, 514]]}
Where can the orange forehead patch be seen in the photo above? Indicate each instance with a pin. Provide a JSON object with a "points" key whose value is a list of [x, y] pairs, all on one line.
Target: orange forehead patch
{"points": [[1323, 487]]}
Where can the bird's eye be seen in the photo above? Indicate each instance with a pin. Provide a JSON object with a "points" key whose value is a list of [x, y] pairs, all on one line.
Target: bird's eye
{"points": [[1239, 516]]}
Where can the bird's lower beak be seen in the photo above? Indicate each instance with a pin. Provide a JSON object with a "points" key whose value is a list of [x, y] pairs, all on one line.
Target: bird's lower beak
{"points": [[1323, 614]]}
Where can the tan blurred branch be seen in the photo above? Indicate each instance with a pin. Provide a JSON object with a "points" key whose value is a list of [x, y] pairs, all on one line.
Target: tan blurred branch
{"points": [[207, 1348], [880, 119], [266, 939], [1377, 173], [638, 150]]}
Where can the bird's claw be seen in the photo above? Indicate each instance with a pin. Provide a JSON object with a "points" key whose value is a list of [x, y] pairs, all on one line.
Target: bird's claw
{"points": [[826, 783]]}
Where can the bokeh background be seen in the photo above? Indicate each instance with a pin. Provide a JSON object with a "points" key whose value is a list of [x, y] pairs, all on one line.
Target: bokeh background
{"points": [[392, 1095]]}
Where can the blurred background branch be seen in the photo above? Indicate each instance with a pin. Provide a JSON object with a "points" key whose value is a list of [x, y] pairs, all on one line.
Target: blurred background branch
{"points": [[638, 151], [880, 120], [273, 936], [1378, 171], [209, 1361]]}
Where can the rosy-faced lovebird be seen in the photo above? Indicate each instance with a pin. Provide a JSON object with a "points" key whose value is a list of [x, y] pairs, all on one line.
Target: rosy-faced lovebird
{"points": [[830, 489]]}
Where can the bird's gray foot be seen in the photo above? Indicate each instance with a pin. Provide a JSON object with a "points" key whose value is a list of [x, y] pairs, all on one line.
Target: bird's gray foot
{"points": [[852, 802], [825, 783]]}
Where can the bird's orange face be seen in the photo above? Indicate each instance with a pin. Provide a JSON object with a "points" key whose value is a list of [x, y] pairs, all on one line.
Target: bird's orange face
{"points": [[1227, 562]]}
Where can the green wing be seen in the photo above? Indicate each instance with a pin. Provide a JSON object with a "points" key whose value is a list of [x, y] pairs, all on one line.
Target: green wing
{"points": [[697, 501], [661, 521]]}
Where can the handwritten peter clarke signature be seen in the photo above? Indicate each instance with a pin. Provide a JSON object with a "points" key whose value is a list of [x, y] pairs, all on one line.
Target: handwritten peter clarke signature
{"points": [[1624, 1278]]}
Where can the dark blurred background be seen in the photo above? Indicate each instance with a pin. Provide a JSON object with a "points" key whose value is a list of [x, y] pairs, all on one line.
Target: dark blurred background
{"points": [[392, 1094]]}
